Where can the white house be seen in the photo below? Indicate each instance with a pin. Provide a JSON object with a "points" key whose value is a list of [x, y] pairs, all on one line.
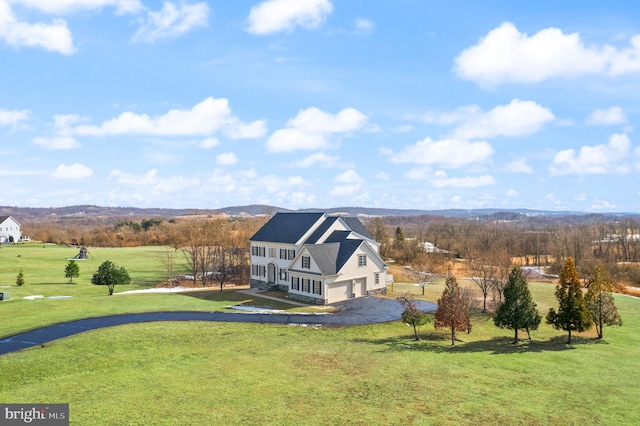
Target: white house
{"points": [[317, 258], [9, 227]]}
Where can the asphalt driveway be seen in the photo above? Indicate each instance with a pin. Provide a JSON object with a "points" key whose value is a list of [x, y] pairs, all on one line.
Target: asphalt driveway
{"points": [[364, 310]]}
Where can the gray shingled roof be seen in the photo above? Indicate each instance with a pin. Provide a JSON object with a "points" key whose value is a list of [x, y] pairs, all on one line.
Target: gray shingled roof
{"points": [[321, 230], [286, 227], [334, 253], [357, 226], [325, 255], [3, 218]]}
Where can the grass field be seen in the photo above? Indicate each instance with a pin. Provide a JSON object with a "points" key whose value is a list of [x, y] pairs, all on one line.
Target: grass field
{"points": [[219, 373], [43, 268]]}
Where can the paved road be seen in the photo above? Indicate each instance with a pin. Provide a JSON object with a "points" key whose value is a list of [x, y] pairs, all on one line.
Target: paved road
{"points": [[365, 310]]}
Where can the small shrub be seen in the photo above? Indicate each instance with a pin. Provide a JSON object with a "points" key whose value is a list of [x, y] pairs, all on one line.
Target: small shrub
{"points": [[20, 278]]}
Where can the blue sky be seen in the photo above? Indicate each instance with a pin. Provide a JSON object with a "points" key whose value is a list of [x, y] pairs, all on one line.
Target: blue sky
{"points": [[320, 103]]}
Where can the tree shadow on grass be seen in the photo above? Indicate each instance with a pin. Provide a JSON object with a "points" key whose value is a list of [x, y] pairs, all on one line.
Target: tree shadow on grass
{"points": [[437, 343], [51, 283]]}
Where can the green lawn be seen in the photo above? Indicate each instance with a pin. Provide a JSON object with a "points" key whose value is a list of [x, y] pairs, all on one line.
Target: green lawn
{"points": [[214, 373], [43, 268], [218, 373]]}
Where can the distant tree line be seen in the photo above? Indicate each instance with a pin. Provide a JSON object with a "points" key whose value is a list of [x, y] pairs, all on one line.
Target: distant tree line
{"points": [[492, 246]]}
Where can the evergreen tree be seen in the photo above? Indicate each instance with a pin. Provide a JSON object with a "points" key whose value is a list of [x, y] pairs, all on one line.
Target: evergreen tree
{"points": [[110, 274], [398, 239], [518, 311], [572, 314], [599, 300], [452, 310], [20, 279], [71, 271]]}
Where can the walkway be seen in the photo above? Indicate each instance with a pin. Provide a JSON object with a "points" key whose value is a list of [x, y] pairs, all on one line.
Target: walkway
{"points": [[365, 310]]}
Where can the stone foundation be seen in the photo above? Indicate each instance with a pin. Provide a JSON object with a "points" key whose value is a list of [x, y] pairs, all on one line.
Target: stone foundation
{"points": [[306, 299], [378, 291], [259, 284]]}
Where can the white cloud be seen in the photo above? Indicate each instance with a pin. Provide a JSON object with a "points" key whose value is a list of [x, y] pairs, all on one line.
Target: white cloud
{"points": [[227, 159], [342, 190], [627, 60], [72, 172], [54, 37], [607, 117], [512, 193], [237, 130], [364, 26], [519, 166], [205, 118], [13, 117], [173, 20], [517, 118], [153, 182], [69, 6], [208, 143], [319, 158], [57, 142], [417, 173], [350, 183], [273, 16], [602, 206], [506, 55], [599, 159], [463, 182], [447, 153], [311, 128], [349, 176]]}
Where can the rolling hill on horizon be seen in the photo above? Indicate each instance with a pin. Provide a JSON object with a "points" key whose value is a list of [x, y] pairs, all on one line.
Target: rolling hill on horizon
{"points": [[31, 213]]}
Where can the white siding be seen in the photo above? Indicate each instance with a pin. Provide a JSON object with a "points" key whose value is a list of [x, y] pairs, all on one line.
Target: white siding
{"points": [[10, 228], [338, 291], [267, 260]]}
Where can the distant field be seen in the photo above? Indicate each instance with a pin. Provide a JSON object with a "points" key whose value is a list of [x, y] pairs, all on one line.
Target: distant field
{"points": [[219, 373]]}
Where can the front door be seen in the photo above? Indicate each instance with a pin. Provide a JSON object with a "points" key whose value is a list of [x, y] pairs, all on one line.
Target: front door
{"points": [[271, 274]]}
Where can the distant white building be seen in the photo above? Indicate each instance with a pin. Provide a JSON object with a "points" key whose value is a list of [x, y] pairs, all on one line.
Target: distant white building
{"points": [[431, 248], [9, 229]]}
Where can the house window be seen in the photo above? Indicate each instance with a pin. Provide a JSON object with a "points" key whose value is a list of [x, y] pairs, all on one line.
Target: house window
{"points": [[295, 283], [306, 262], [376, 278], [272, 252], [258, 270], [362, 260], [317, 287], [284, 275], [283, 253], [257, 251], [305, 285], [292, 254]]}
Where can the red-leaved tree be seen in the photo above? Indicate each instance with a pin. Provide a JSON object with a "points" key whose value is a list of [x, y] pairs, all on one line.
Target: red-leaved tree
{"points": [[453, 312]]}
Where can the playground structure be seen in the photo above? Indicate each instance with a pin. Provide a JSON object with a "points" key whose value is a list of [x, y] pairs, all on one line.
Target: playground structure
{"points": [[82, 255]]}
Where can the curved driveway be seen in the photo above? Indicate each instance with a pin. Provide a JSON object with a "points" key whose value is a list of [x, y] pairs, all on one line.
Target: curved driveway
{"points": [[366, 310]]}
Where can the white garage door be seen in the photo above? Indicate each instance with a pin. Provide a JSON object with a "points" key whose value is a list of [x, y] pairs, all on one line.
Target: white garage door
{"points": [[338, 291]]}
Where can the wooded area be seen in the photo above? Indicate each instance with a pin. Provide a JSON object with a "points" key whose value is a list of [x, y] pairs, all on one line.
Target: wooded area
{"points": [[216, 248]]}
